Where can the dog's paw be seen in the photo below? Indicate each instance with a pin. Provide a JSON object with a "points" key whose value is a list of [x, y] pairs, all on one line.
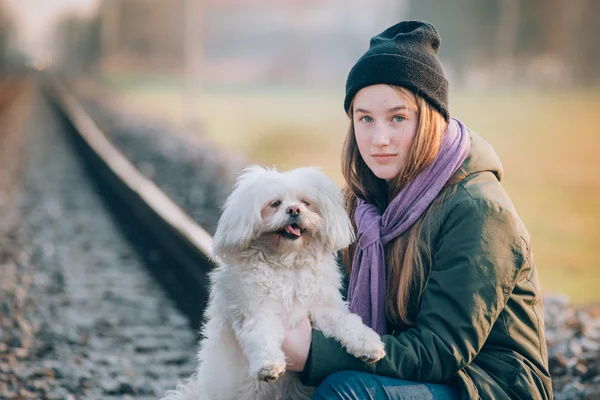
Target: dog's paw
{"points": [[368, 351], [271, 371], [373, 357]]}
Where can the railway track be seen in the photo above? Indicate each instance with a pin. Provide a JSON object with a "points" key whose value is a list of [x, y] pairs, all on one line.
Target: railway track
{"points": [[10, 87], [103, 293], [138, 199]]}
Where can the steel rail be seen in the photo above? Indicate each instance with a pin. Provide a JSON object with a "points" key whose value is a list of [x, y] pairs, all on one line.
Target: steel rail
{"points": [[177, 233]]}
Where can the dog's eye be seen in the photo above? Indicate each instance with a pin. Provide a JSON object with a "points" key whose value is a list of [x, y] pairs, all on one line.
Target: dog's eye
{"points": [[276, 203], [306, 202]]}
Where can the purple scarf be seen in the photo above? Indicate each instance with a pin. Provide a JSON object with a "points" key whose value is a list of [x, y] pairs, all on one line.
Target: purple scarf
{"points": [[367, 287]]}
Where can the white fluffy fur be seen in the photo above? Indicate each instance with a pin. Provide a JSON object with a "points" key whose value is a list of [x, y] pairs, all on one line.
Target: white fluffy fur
{"points": [[266, 283]]}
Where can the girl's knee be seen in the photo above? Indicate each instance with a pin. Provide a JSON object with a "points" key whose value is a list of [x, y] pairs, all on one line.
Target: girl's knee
{"points": [[353, 385], [339, 385]]}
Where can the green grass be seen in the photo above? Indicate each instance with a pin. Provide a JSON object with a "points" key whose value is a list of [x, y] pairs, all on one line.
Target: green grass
{"points": [[548, 143]]}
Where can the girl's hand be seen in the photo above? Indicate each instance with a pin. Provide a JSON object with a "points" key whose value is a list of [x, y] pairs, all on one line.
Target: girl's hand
{"points": [[296, 345]]}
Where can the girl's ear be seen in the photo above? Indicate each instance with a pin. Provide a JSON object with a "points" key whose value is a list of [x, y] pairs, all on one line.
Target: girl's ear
{"points": [[241, 219]]}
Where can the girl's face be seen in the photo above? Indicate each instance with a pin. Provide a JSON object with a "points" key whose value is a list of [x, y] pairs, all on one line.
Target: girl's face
{"points": [[385, 124]]}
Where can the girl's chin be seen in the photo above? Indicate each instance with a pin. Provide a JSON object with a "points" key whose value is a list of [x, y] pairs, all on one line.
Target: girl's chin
{"points": [[385, 173]]}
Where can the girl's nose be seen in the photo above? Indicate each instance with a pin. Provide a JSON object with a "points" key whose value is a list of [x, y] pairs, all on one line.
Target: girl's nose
{"points": [[380, 137]]}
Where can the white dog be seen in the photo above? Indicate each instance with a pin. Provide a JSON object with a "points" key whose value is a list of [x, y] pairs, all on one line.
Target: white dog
{"points": [[276, 239]]}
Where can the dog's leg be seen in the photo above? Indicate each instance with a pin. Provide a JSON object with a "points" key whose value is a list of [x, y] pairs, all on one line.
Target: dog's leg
{"points": [[331, 316], [260, 338]]}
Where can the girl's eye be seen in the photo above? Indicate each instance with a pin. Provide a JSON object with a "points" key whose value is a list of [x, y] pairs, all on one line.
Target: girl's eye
{"points": [[366, 118], [306, 202], [398, 118], [276, 203]]}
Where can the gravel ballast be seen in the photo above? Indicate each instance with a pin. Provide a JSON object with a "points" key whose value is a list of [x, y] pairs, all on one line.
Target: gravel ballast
{"points": [[89, 321]]}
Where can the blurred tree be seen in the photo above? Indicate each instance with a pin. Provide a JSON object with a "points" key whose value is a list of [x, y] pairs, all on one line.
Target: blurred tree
{"points": [[565, 34], [467, 27], [509, 12], [7, 30], [518, 41], [590, 36], [77, 44], [149, 36]]}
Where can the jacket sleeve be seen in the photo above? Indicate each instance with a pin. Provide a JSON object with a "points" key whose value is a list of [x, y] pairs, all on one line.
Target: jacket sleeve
{"points": [[475, 264]]}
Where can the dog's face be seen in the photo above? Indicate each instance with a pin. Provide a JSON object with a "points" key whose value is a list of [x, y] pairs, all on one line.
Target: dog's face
{"points": [[291, 219], [282, 212]]}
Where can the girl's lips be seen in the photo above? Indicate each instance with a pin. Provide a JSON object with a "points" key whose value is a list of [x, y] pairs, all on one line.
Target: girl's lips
{"points": [[383, 157]]}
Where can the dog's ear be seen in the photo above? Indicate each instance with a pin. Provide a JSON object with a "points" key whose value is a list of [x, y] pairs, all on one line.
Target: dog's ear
{"points": [[241, 218], [337, 224], [338, 228]]}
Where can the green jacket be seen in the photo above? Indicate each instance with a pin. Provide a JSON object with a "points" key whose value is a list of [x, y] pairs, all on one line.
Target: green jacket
{"points": [[480, 325]]}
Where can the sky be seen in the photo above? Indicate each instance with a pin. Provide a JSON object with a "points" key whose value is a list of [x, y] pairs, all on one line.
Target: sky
{"points": [[35, 18]]}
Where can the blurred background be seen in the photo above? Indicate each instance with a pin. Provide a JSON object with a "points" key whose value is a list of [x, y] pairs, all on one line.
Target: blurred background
{"points": [[265, 79]]}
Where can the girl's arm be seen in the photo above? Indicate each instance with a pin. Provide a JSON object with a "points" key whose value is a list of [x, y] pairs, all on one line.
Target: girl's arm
{"points": [[475, 265]]}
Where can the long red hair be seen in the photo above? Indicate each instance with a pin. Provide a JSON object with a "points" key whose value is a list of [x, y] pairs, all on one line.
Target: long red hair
{"points": [[408, 257]]}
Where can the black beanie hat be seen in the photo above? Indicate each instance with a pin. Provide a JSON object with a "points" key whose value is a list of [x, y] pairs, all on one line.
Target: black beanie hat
{"points": [[405, 54]]}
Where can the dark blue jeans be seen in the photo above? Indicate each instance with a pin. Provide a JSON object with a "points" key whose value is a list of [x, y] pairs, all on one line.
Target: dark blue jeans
{"points": [[351, 385]]}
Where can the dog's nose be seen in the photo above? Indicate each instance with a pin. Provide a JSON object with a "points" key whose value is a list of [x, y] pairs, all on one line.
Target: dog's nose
{"points": [[294, 209]]}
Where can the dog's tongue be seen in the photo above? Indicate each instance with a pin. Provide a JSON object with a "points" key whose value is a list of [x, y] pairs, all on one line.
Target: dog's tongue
{"points": [[291, 229]]}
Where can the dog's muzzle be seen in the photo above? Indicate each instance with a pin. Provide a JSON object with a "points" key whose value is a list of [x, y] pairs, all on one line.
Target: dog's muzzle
{"points": [[292, 230]]}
